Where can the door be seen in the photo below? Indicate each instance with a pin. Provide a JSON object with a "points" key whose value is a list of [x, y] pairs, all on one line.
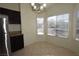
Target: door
{"points": [[4, 37]]}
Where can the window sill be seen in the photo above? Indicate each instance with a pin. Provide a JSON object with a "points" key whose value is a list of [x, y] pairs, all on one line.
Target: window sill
{"points": [[77, 39], [58, 36]]}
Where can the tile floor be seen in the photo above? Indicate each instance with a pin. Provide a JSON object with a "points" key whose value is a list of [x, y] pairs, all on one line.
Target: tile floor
{"points": [[44, 49]]}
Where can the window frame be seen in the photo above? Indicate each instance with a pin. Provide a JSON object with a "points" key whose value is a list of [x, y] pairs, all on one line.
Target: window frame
{"points": [[56, 25], [67, 25], [53, 28], [77, 17], [37, 26]]}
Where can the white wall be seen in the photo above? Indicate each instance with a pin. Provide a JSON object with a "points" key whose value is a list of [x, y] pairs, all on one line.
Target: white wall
{"points": [[69, 42], [12, 6], [76, 43], [28, 19]]}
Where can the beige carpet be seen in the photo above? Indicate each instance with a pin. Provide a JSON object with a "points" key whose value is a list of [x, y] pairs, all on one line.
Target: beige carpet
{"points": [[44, 49]]}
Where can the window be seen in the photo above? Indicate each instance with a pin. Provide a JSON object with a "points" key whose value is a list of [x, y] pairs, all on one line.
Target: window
{"points": [[58, 25], [77, 27], [40, 26], [62, 25], [52, 26]]}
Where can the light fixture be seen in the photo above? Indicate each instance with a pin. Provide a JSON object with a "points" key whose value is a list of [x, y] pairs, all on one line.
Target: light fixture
{"points": [[38, 6], [32, 4], [44, 5], [34, 7], [41, 7]]}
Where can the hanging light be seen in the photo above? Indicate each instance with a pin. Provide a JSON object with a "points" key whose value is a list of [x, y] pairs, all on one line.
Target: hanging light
{"points": [[38, 6], [41, 7], [32, 4], [34, 7], [44, 5]]}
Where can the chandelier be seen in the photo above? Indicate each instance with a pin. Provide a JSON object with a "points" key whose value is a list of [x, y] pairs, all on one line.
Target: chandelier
{"points": [[38, 6]]}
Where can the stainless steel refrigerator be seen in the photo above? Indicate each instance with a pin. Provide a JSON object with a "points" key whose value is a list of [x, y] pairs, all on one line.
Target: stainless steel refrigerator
{"points": [[5, 49]]}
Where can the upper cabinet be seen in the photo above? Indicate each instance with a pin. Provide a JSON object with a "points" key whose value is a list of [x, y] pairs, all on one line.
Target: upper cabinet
{"points": [[13, 16]]}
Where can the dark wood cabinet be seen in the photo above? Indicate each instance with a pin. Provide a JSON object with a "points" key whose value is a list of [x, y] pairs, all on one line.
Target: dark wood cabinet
{"points": [[17, 42], [13, 16]]}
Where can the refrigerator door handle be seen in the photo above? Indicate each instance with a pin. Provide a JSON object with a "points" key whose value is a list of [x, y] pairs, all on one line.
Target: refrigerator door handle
{"points": [[4, 25], [5, 32]]}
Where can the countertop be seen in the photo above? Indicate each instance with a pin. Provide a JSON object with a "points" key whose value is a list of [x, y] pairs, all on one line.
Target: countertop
{"points": [[15, 33]]}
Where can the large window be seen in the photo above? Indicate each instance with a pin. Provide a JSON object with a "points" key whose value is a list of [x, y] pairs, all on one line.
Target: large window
{"points": [[77, 27], [40, 26], [52, 26], [58, 25], [62, 25]]}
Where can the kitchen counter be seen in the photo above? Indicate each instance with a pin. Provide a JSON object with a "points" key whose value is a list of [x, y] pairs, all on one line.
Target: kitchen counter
{"points": [[15, 33], [16, 40], [12, 35]]}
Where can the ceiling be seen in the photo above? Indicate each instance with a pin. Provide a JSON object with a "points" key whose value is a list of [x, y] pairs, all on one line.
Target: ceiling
{"points": [[49, 5]]}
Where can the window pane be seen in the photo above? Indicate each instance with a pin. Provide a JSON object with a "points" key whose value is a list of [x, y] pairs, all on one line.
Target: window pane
{"points": [[40, 26], [52, 26], [77, 27], [62, 25]]}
